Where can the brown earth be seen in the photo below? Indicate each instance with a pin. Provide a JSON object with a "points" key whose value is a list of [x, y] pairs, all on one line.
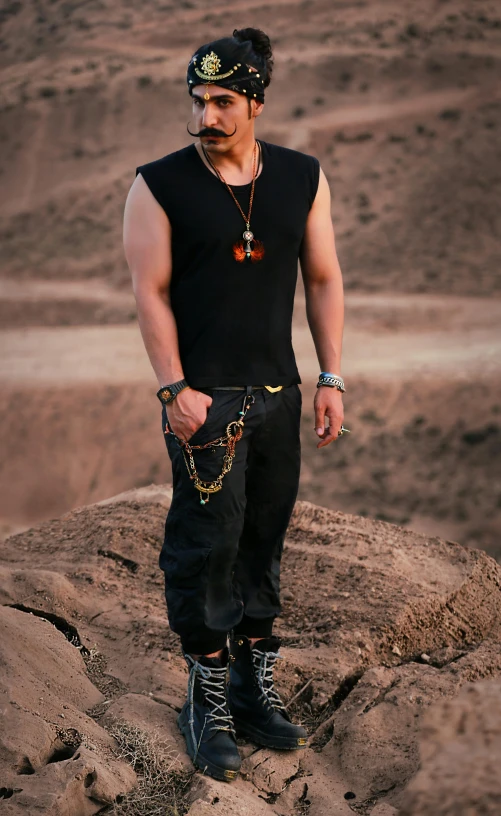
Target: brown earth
{"points": [[404, 116], [381, 665]]}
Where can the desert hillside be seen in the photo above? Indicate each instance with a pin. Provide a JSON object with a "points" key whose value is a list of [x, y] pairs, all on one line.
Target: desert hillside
{"points": [[393, 664], [400, 101], [401, 104]]}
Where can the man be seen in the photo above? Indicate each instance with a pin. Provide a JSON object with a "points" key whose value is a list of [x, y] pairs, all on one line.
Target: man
{"points": [[212, 234]]}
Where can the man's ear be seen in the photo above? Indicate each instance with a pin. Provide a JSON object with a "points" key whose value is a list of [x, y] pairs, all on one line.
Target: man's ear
{"points": [[258, 107]]}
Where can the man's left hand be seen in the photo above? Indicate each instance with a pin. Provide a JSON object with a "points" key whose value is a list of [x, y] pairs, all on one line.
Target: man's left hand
{"points": [[328, 402]]}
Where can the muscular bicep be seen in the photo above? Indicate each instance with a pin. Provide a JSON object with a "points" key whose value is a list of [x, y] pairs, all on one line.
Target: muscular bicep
{"points": [[147, 240], [318, 256]]}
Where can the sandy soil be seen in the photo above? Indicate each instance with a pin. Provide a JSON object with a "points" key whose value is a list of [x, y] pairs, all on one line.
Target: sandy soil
{"points": [[386, 682]]}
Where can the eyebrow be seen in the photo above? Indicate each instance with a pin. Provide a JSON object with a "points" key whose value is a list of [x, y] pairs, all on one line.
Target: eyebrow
{"points": [[218, 96]]}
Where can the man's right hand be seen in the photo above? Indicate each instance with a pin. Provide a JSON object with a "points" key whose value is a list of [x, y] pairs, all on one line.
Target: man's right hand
{"points": [[188, 412]]}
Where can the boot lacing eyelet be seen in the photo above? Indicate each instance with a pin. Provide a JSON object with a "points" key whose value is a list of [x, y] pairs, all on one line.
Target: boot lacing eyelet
{"points": [[219, 717], [263, 664]]}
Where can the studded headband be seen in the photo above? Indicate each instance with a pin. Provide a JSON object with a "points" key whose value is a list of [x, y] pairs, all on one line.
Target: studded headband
{"points": [[229, 65]]}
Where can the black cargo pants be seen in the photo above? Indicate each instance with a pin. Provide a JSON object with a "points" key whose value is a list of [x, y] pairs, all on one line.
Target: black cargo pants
{"points": [[221, 560]]}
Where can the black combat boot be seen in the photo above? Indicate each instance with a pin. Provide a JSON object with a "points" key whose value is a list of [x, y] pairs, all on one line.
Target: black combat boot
{"points": [[258, 712], [205, 720]]}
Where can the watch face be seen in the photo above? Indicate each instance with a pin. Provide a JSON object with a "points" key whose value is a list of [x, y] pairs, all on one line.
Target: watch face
{"points": [[167, 395]]}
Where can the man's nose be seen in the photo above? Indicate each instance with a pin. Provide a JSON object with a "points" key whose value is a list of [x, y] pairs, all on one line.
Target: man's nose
{"points": [[209, 117]]}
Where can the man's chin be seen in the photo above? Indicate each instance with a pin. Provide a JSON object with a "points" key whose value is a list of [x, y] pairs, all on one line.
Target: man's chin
{"points": [[214, 142]]}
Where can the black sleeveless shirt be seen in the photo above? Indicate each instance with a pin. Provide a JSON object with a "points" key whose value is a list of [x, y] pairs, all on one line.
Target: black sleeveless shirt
{"points": [[234, 320]]}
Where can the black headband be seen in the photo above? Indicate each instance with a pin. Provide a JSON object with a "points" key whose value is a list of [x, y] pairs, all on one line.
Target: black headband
{"points": [[230, 64]]}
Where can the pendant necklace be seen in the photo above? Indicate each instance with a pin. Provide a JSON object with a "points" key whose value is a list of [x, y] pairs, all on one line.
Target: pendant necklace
{"points": [[241, 252]]}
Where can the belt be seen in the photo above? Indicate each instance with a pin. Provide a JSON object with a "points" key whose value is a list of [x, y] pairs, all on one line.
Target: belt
{"points": [[244, 387]]}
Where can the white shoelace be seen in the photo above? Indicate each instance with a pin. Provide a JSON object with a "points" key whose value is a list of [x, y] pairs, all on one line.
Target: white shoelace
{"points": [[213, 683], [263, 664]]}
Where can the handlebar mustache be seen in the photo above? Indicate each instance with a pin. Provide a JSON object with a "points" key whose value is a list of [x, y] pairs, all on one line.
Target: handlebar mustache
{"points": [[211, 132]]}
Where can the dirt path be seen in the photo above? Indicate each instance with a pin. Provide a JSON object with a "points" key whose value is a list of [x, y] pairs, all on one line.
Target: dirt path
{"points": [[95, 290]]}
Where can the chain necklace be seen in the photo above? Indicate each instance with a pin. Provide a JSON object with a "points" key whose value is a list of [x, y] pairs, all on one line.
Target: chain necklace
{"points": [[241, 252]]}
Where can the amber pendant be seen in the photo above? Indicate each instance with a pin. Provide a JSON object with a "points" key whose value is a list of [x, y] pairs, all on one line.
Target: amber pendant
{"points": [[243, 252]]}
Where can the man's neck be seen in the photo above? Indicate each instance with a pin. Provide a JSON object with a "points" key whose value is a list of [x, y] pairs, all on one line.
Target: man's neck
{"points": [[235, 165]]}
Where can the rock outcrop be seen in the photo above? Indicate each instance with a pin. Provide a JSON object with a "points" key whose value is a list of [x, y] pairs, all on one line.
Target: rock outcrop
{"points": [[392, 646]]}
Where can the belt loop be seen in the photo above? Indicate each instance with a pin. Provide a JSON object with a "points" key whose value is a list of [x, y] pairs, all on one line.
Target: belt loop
{"points": [[248, 391]]}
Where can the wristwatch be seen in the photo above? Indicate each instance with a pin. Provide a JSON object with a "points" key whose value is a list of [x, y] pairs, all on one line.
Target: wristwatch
{"points": [[168, 393], [332, 380]]}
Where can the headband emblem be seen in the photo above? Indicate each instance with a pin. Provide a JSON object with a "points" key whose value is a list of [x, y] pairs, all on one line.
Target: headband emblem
{"points": [[210, 67], [211, 64]]}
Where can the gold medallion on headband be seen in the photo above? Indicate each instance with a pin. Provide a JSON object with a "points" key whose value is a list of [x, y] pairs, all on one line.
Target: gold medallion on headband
{"points": [[211, 63], [210, 66]]}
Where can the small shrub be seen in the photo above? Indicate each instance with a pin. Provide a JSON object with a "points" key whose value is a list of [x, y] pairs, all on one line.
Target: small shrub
{"points": [[47, 91], [451, 113], [413, 30], [162, 781]]}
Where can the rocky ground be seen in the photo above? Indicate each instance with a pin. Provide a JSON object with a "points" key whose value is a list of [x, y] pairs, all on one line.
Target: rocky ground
{"points": [[401, 103], [393, 664]]}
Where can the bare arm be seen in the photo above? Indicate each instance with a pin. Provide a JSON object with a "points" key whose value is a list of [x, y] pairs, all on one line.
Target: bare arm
{"points": [[147, 245], [323, 286], [323, 283]]}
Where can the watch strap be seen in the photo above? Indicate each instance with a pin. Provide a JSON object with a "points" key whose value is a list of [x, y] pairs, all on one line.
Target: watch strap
{"points": [[168, 393]]}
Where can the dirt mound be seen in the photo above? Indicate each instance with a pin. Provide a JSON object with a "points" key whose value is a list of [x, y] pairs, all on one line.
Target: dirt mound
{"points": [[397, 625], [400, 103]]}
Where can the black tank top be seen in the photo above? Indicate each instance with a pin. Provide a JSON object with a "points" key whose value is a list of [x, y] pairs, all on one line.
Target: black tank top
{"points": [[234, 320]]}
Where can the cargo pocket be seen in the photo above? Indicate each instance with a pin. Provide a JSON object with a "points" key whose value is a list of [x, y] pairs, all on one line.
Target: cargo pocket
{"points": [[186, 577]]}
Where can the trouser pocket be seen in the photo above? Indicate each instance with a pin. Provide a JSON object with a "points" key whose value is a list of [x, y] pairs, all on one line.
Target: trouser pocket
{"points": [[222, 410], [186, 568]]}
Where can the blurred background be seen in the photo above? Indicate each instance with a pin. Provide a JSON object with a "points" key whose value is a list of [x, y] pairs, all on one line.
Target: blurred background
{"points": [[401, 102]]}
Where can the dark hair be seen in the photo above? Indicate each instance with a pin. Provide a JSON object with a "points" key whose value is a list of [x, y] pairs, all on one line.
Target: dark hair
{"points": [[261, 46]]}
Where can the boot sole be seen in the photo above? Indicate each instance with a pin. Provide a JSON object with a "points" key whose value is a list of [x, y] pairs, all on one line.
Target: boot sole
{"points": [[261, 738], [204, 765]]}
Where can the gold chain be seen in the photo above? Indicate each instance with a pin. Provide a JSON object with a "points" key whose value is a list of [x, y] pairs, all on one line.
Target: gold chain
{"points": [[247, 220], [233, 433]]}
